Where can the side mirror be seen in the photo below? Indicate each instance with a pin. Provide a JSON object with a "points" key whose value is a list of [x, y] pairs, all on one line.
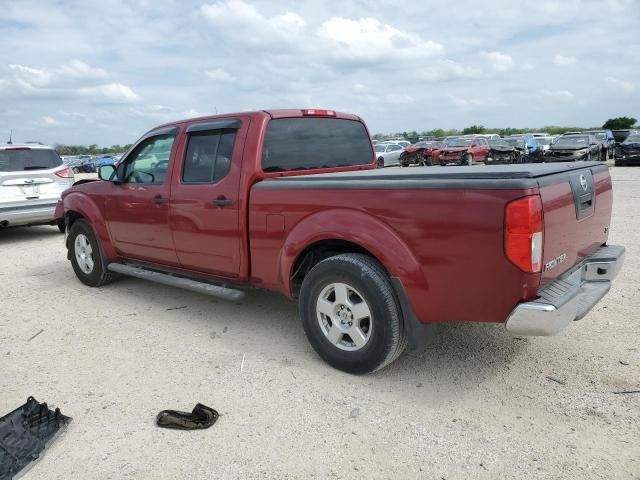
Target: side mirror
{"points": [[108, 173]]}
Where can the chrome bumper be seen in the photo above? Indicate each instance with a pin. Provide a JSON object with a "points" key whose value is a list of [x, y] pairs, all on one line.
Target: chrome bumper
{"points": [[569, 297]]}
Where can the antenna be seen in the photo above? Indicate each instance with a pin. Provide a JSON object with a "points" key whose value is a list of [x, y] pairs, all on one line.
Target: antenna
{"points": [[10, 135]]}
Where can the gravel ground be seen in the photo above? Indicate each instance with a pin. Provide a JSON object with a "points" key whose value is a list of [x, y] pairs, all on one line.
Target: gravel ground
{"points": [[477, 404]]}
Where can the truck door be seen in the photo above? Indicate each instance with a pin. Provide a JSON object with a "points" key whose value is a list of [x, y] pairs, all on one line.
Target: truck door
{"points": [[137, 210], [205, 198]]}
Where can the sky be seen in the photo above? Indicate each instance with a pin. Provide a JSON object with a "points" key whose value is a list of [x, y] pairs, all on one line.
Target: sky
{"points": [[106, 71]]}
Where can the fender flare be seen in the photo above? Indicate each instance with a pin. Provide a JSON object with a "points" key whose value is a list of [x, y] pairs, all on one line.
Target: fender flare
{"points": [[86, 207], [356, 227]]}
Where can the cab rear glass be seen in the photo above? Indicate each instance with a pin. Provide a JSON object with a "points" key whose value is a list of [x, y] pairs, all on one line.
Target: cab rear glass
{"points": [[20, 159], [312, 143]]}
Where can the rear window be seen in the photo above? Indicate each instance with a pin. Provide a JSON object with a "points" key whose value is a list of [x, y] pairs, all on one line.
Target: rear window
{"points": [[27, 159], [310, 143]]}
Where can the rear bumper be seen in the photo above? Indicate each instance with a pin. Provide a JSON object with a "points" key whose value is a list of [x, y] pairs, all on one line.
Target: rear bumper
{"points": [[27, 214], [570, 297]]}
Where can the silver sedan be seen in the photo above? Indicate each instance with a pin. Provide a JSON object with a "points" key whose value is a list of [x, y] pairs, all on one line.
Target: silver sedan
{"points": [[388, 154]]}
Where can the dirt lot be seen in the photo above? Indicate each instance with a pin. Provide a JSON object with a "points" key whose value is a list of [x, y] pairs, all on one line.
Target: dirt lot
{"points": [[477, 404]]}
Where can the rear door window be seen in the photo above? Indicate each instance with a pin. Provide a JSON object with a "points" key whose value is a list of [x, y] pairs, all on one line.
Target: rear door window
{"points": [[311, 143], [208, 156], [20, 159]]}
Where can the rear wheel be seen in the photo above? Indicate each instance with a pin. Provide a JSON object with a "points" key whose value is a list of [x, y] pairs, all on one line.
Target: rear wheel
{"points": [[86, 258], [351, 314]]}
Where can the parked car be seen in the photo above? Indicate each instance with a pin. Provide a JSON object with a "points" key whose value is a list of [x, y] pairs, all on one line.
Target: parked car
{"points": [[105, 160], [533, 152], [628, 152], [501, 152], [521, 146], [621, 135], [544, 143], [321, 225], [601, 139], [570, 148], [464, 151], [388, 154], [32, 177], [608, 141], [421, 153]]}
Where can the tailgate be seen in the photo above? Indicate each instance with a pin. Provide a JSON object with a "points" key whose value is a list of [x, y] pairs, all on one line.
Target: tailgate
{"points": [[577, 213]]}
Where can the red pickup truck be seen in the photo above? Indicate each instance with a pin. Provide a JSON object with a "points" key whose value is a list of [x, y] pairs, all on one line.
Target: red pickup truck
{"points": [[291, 201]]}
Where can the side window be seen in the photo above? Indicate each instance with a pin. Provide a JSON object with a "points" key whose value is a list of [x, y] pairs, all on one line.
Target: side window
{"points": [[208, 157], [149, 162]]}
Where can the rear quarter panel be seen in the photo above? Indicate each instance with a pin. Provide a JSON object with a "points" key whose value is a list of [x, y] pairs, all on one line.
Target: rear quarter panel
{"points": [[454, 237]]}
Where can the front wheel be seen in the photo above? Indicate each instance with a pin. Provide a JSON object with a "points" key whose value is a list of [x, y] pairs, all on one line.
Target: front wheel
{"points": [[85, 255], [351, 314], [467, 160]]}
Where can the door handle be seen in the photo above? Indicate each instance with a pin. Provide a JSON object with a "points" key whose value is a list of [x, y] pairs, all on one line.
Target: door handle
{"points": [[159, 199], [221, 202]]}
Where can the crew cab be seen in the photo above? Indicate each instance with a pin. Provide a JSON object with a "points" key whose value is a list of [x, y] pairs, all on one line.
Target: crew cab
{"points": [[291, 201]]}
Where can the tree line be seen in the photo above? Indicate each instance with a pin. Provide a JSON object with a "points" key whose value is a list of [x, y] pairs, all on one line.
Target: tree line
{"points": [[611, 124], [90, 149]]}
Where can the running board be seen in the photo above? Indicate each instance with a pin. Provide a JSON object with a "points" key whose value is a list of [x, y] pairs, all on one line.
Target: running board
{"points": [[180, 282]]}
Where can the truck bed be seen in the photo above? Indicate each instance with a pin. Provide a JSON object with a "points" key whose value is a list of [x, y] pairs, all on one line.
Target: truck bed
{"points": [[451, 220]]}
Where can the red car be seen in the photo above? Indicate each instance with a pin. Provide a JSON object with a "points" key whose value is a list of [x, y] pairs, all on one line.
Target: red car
{"points": [[291, 201], [421, 153], [464, 151]]}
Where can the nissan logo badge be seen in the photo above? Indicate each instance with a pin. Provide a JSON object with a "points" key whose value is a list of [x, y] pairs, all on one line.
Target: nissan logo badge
{"points": [[583, 182]]}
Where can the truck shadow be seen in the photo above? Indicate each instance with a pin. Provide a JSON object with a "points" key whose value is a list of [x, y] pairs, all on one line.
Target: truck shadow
{"points": [[28, 234]]}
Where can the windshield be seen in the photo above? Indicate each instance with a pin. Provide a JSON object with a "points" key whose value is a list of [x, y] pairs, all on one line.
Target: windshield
{"points": [[514, 141], [544, 140], [310, 143], [381, 148], [458, 142], [573, 141], [632, 139], [499, 142], [19, 159]]}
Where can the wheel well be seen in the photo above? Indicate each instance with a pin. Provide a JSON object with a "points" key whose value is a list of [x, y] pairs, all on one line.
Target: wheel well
{"points": [[315, 253], [71, 217]]}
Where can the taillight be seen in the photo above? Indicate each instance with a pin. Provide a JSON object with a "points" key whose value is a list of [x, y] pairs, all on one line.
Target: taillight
{"points": [[64, 173], [523, 233], [318, 113]]}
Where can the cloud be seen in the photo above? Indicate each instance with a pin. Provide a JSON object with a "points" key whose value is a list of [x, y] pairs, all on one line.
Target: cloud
{"points": [[370, 39], [622, 84], [51, 122], [558, 94], [498, 61], [72, 79], [115, 92], [220, 75], [562, 60]]}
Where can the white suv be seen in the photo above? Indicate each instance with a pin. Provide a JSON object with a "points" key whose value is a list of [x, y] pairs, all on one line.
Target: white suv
{"points": [[32, 177]]}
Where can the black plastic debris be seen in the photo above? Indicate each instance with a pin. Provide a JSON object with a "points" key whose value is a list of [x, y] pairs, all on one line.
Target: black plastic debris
{"points": [[201, 417], [25, 433]]}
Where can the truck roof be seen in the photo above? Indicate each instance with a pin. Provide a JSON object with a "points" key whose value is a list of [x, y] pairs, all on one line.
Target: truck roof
{"points": [[275, 113]]}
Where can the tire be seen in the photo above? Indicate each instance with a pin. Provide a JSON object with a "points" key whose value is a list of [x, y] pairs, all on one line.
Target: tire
{"points": [[85, 255], [61, 225], [617, 163], [428, 161], [467, 160], [380, 162], [366, 288]]}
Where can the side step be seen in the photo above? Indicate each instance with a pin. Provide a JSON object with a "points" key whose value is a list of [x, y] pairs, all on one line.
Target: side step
{"points": [[180, 282]]}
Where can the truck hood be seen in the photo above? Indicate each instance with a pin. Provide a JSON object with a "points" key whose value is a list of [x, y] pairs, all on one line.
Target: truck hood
{"points": [[453, 149]]}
